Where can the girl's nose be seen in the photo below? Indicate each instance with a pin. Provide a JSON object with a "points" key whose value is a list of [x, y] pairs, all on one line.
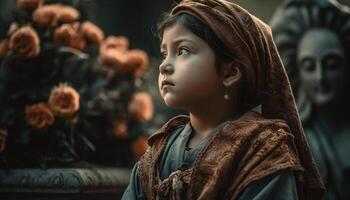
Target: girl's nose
{"points": [[166, 68]]}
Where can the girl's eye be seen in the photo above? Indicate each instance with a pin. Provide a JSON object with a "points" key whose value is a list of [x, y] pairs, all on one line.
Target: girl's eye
{"points": [[183, 51]]}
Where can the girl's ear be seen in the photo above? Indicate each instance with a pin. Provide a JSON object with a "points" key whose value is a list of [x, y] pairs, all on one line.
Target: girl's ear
{"points": [[231, 74]]}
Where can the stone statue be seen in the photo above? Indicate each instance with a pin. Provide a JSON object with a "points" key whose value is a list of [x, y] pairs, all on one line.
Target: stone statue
{"points": [[313, 38]]}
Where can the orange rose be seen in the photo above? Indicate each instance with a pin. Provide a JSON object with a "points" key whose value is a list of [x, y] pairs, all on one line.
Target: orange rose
{"points": [[114, 58], [46, 16], [67, 34], [120, 128], [3, 136], [139, 147], [137, 62], [39, 115], [53, 14], [92, 33], [29, 5], [4, 46], [141, 107], [67, 15], [64, 100], [25, 42], [112, 42]]}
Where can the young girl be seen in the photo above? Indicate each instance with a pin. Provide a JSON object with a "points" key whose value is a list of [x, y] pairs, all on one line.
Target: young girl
{"points": [[219, 63]]}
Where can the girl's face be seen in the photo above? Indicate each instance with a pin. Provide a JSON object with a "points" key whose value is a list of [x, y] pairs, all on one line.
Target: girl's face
{"points": [[322, 66], [187, 74]]}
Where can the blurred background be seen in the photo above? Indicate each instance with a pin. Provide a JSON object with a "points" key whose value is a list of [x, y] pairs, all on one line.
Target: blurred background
{"points": [[327, 129], [137, 19]]}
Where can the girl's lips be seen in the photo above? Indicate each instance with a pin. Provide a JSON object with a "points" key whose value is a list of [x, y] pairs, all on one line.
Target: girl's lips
{"points": [[167, 83]]}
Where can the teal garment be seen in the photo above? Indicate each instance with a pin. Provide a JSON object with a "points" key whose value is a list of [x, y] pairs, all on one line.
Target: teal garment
{"points": [[330, 148], [176, 155], [134, 190], [278, 186]]}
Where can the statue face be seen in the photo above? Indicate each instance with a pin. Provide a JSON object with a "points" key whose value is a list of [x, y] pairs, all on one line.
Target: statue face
{"points": [[321, 66]]}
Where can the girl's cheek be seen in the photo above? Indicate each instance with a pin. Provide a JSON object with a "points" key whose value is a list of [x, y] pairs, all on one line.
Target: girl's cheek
{"points": [[159, 79]]}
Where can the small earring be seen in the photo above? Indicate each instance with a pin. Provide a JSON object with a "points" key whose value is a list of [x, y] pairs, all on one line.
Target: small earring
{"points": [[226, 96]]}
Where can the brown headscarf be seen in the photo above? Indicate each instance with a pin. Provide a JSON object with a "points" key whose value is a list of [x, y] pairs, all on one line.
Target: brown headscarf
{"points": [[250, 40]]}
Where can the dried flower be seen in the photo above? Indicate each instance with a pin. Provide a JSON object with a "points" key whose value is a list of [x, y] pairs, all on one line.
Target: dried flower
{"points": [[4, 46], [92, 33], [64, 100], [141, 107], [67, 15], [29, 5], [3, 136], [53, 14], [68, 35], [120, 128], [139, 147], [25, 42], [114, 58], [112, 42], [39, 115], [137, 62], [46, 16]]}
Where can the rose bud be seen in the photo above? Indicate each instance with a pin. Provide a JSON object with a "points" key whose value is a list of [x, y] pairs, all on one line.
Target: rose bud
{"points": [[39, 116], [25, 42], [64, 100]]}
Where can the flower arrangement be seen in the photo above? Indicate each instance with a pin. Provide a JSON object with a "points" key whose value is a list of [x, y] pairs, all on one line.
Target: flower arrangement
{"points": [[68, 93]]}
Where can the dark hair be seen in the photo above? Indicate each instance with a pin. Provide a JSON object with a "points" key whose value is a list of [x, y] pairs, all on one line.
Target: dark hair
{"points": [[222, 54]]}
